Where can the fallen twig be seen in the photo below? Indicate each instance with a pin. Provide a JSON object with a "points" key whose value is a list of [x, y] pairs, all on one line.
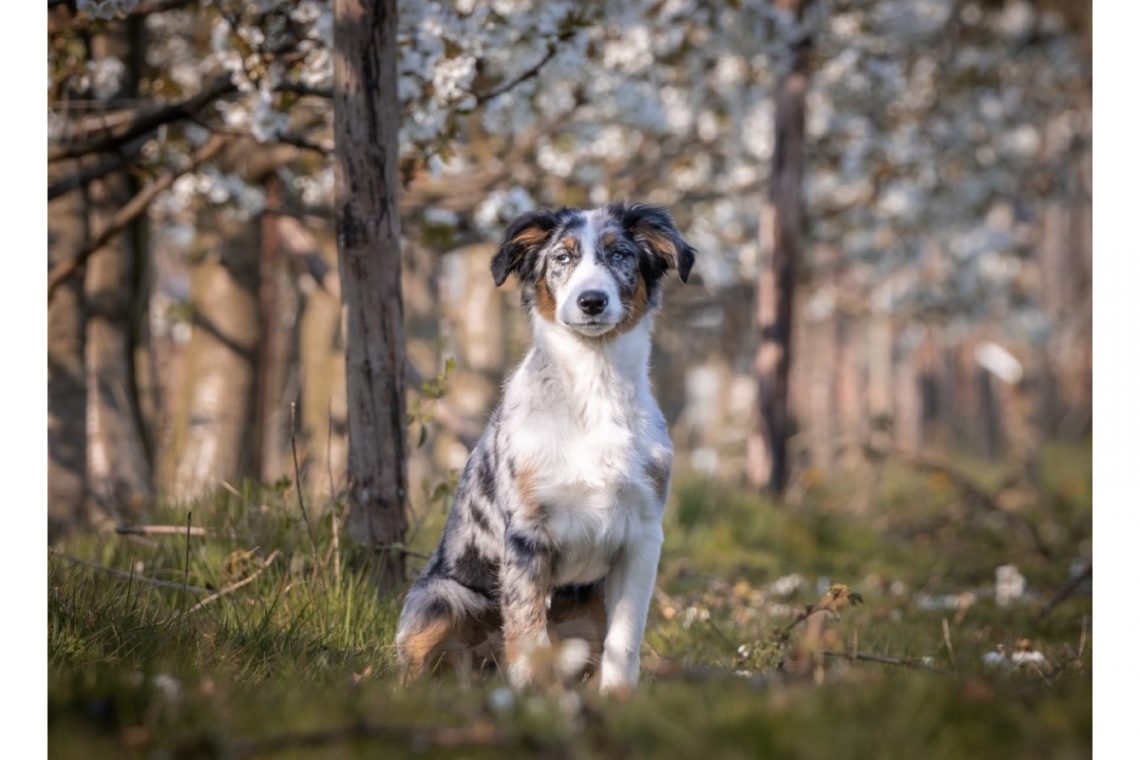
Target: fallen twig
{"points": [[1067, 590], [158, 530], [129, 576], [836, 598], [881, 660], [235, 586]]}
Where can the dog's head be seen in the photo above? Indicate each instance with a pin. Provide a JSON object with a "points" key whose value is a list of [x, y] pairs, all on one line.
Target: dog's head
{"points": [[593, 271]]}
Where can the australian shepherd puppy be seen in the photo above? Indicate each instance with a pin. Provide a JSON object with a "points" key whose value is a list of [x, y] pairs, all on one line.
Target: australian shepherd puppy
{"points": [[556, 528]]}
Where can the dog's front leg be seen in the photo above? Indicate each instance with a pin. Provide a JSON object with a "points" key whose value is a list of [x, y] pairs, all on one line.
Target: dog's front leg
{"points": [[524, 583], [629, 588]]}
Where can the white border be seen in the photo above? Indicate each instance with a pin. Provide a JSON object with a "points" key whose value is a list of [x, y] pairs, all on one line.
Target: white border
{"points": [[1116, 373], [23, 445]]}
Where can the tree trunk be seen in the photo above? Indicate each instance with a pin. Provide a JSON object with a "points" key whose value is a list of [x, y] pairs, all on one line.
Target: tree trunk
{"points": [[67, 396], [213, 422], [776, 286], [278, 302], [368, 240], [118, 467]]}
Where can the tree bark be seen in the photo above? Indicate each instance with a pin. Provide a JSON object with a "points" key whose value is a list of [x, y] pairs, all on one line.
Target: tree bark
{"points": [[67, 395], [368, 242], [118, 466], [119, 479], [278, 302], [213, 423], [775, 288]]}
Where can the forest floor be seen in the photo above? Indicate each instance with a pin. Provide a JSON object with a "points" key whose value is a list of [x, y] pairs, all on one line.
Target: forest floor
{"points": [[945, 657]]}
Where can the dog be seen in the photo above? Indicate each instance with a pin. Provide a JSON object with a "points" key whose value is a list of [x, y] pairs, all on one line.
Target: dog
{"points": [[556, 529]]}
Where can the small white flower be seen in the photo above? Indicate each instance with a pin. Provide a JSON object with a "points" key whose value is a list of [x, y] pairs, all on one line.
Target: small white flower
{"points": [[787, 585], [169, 686], [1028, 658], [994, 659], [1009, 585], [501, 699]]}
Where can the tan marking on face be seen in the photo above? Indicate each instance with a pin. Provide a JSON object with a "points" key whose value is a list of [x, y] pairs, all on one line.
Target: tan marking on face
{"points": [[658, 473], [570, 244], [661, 244], [530, 236], [637, 309], [544, 301], [609, 238]]}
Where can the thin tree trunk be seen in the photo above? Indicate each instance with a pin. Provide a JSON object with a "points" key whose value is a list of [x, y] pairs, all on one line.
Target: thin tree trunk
{"points": [[777, 280], [67, 395], [119, 481], [319, 358], [118, 467], [213, 423], [279, 324], [368, 238]]}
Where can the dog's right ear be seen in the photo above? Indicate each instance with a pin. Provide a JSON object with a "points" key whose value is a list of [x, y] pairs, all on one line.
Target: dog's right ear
{"points": [[524, 238]]}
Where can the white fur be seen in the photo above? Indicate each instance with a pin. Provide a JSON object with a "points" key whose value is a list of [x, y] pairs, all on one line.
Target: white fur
{"points": [[589, 275], [590, 446]]}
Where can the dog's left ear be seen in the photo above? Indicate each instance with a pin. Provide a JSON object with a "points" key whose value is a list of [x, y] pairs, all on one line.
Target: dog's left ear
{"points": [[653, 229], [524, 237]]}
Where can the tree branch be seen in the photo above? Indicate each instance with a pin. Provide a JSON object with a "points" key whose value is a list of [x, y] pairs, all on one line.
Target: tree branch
{"points": [[62, 272], [84, 177], [531, 73], [298, 88], [146, 123]]}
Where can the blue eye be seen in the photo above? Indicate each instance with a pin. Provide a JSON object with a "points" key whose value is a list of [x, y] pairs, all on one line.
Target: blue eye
{"points": [[562, 258], [618, 255]]}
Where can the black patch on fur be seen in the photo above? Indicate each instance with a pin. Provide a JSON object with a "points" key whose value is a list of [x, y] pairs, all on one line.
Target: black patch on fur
{"points": [[434, 566], [578, 592], [486, 474], [524, 238], [652, 228], [437, 609], [475, 572], [523, 545], [479, 517]]}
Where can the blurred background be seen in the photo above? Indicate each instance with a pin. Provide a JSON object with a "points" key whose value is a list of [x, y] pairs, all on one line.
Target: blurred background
{"points": [[941, 288]]}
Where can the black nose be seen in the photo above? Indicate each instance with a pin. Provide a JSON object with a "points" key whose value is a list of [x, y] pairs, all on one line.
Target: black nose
{"points": [[593, 302]]}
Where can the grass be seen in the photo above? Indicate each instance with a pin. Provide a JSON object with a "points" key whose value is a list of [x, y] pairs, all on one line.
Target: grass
{"points": [[299, 662]]}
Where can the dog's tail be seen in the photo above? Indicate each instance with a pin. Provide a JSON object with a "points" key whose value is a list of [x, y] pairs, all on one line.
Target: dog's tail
{"points": [[436, 609]]}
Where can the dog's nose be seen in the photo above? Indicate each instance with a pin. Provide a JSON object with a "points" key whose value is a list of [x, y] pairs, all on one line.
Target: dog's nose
{"points": [[593, 302]]}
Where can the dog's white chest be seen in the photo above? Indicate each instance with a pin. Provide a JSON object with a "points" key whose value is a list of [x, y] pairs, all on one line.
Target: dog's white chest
{"points": [[590, 482]]}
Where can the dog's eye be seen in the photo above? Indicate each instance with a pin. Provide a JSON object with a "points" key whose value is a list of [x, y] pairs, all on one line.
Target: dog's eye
{"points": [[562, 258], [618, 255]]}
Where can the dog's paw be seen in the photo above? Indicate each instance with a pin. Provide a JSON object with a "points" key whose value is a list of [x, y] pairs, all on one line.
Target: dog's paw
{"points": [[619, 690]]}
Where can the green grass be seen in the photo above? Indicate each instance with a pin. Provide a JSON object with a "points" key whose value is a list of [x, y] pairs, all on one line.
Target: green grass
{"points": [[299, 661]]}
